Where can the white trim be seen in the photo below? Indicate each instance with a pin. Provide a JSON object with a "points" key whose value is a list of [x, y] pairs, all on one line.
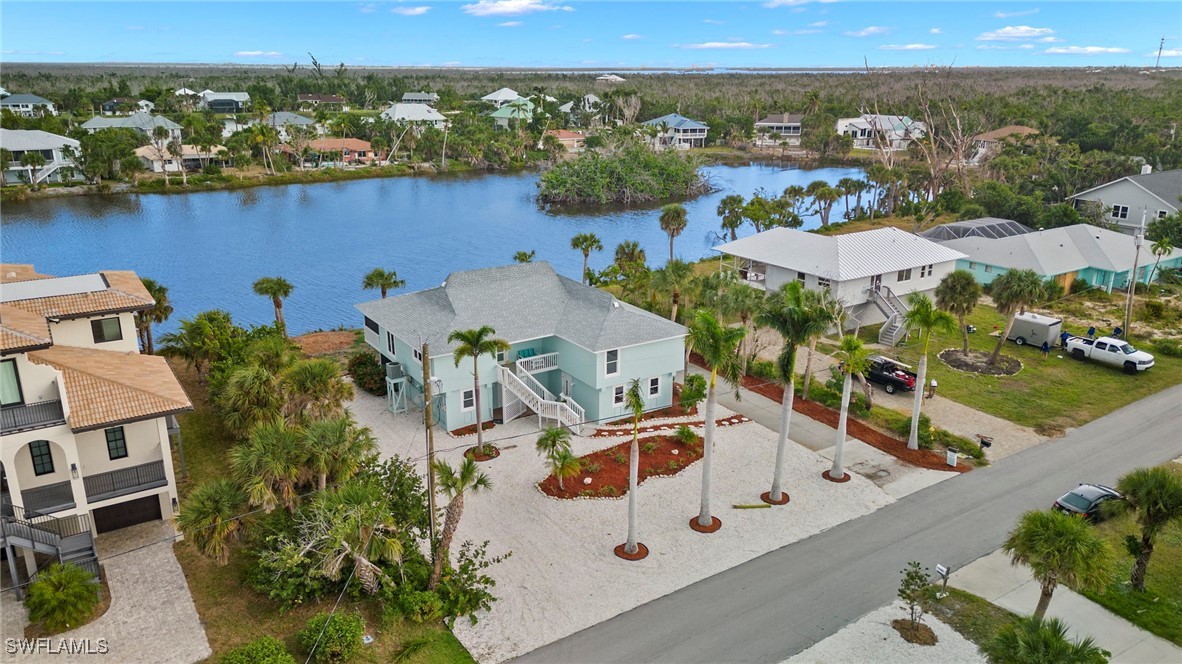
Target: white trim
{"points": [[606, 362], [464, 397], [618, 395], [652, 394], [1109, 184]]}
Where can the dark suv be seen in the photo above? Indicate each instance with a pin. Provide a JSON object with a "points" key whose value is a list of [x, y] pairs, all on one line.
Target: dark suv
{"points": [[1085, 500]]}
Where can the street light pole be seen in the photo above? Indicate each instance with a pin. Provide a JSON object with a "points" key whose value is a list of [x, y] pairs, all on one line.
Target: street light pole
{"points": [[1137, 237], [426, 351]]}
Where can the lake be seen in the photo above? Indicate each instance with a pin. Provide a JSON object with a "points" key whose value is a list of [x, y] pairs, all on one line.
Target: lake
{"points": [[209, 247]]}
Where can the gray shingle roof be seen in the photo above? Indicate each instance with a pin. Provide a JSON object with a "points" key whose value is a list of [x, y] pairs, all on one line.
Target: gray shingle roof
{"points": [[781, 118], [521, 302], [282, 118], [22, 98], [142, 121], [1166, 185]]}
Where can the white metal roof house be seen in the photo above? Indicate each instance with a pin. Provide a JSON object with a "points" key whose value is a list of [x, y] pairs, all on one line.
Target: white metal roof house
{"points": [[59, 167], [144, 123], [779, 128], [575, 349], [869, 271], [225, 102], [679, 131], [420, 98], [895, 131], [501, 97], [30, 106], [415, 114], [1125, 201], [610, 78], [1101, 257]]}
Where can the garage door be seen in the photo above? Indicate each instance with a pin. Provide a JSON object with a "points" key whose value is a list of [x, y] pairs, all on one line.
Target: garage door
{"points": [[126, 514]]}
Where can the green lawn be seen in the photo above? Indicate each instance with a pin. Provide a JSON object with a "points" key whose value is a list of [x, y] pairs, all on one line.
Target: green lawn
{"points": [[974, 618], [1047, 394]]}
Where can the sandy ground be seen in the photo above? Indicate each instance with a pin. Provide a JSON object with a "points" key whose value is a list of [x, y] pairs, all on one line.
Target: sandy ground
{"points": [[872, 639], [563, 576]]}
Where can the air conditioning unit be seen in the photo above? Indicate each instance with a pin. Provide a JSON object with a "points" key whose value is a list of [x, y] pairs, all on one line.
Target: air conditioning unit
{"points": [[394, 370]]}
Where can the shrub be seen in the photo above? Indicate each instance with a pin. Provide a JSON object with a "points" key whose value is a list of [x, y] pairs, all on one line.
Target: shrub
{"points": [[466, 589], [764, 369], [619, 457], [586, 493], [649, 448], [685, 435], [1155, 310], [592, 468], [672, 465], [1168, 347], [420, 606], [609, 491], [335, 637], [62, 596], [693, 391], [972, 211], [212, 169], [959, 443], [1052, 290], [1079, 285], [368, 373], [264, 650], [284, 573]]}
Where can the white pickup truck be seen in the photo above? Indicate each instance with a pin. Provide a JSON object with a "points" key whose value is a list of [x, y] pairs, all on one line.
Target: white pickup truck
{"points": [[1117, 352]]}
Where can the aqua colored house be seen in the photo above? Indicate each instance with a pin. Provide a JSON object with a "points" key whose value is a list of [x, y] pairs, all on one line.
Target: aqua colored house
{"points": [[574, 349]]}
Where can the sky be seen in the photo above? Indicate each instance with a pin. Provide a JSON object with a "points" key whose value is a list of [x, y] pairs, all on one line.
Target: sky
{"points": [[602, 34]]}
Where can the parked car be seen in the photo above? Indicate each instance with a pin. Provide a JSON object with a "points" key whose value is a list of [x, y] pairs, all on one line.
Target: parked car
{"points": [[892, 375], [1085, 500], [1107, 350]]}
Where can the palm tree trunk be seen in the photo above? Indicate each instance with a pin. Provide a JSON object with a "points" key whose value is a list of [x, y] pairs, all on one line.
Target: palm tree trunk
{"points": [[921, 377], [1044, 598], [808, 366], [476, 401], [676, 302], [583, 277], [633, 470], [782, 444], [964, 333], [279, 322], [671, 246], [451, 521], [704, 517], [837, 472], [1141, 563], [1001, 340], [322, 480]]}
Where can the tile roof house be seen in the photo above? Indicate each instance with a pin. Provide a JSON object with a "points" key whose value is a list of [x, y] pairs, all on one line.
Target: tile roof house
{"points": [[86, 421], [54, 149], [573, 141], [871, 272], [574, 348], [779, 128], [1124, 202], [678, 131], [192, 157], [30, 106], [145, 123], [351, 151]]}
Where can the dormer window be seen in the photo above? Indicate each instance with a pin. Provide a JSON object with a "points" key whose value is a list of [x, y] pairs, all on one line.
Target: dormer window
{"points": [[106, 329]]}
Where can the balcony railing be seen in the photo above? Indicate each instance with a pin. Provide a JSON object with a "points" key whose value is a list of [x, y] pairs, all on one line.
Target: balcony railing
{"points": [[536, 363], [31, 416], [49, 498], [125, 481]]}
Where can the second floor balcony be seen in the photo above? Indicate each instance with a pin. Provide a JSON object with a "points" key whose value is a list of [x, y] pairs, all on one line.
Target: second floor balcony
{"points": [[27, 417]]}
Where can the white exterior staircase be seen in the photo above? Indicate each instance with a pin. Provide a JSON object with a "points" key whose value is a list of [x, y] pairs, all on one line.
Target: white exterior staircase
{"points": [[894, 329], [520, 392]]}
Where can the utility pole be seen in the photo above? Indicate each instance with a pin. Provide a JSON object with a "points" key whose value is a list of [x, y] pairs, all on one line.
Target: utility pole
{"points": [[1133, 275], [430, 438], [1160, 46], [443, 157]]}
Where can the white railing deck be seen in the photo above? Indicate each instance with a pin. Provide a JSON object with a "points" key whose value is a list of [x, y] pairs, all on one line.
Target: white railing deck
{"points": [[537, 363], [537, 398]]}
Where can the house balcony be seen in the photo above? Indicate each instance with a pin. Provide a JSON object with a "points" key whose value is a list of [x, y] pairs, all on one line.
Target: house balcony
{"points": [[125, 481], [536, 363], [28, 417], [46, 499]]}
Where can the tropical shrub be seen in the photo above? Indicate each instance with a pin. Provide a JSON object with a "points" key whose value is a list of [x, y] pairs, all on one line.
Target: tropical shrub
{"points": [[633, 175], [693, 392], [367, 373], [1079, 285], [335, 637], [420, 606], [685, 435], [1031, 640], [466, 588], [1168, 347], [264, 650], [62, 596], [765, 369]]}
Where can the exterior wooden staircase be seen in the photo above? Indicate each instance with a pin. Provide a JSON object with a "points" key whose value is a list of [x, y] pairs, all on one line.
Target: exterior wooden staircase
{"points": [[69, 539]]}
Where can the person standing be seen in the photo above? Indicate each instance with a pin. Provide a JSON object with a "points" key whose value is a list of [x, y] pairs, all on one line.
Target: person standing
{"points": [[1046, 350]]}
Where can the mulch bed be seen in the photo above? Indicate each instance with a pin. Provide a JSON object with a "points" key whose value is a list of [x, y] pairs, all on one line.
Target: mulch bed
{"points": [[474, 453], [855, 428], [919, 633], [470, 430], [978, 362], [611, 480], [669, 426]]}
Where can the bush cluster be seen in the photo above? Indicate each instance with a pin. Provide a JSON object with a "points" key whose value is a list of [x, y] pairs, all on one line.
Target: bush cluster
{"points": [[264, 650], [367, 373], [633, 175], [336, 637]]}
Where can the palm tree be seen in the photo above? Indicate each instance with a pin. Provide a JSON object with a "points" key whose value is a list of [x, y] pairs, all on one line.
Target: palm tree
{"points": [[634, 402], [553, 439], [835, 309], [1012, 292], [353, 523], [157, 313], [64, 594], [250, 395], [730, 211], [845, 187], [315, 389], [586, 243], [824, 197], [854, 360], [1154, 496], [1031, 640], [564, 464], [473, 344], [957, 293], [629, 256], [718, 345], [336, 447], [33, 161], [159, 139], [923, 317], [382, 280], [178, 152], [797, 318], [673, 222], [454, 483], [276, 288], [209, 517], [673, 279], [1161, 248], [743, 301], [273, 353], [524, 256], [1059, 549], [270, 464]]}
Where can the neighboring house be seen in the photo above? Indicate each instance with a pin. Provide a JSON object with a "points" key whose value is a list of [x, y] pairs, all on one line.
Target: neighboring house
{"points": [[86, 421], [678, 131], [587, 106], [429, 98], [894, 131], [281, 120], [1125, 201], [573, 141], [983, 227], [415, 113], [145, 123], [337, 151], [186, 92], [310, 102], [610, 78], [127, 106], [30, 106], [59, 167], [518, 109], [225, 102], [780, 128], [501, 97], [871, 272], [192, 158], [574, 349], [1101, 257], [990, 142]]}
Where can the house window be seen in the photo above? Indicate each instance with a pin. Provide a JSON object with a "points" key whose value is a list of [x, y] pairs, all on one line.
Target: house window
{"points": [[654, 386], [800, 277], [468, 400], [10, 384], [42, 458], [613, 363], [418, 354], [925, 271], [371, 324], [1162, 214], [904, 275], [618, 395], [500, 356], [988, 268], [390, 344], [116, 443], [822, 282], [972, 265], [106, 329], [1120, 212]]}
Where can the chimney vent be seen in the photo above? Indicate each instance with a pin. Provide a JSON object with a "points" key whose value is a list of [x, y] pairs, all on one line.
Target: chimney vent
{"points": [[1146, 169]]}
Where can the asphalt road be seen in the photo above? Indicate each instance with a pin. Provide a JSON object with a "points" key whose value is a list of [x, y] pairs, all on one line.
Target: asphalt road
{"points": [[778, 604]]}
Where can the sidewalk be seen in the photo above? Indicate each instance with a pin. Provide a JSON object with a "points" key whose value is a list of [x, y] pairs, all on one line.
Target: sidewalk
{"points": [[995, 579]]}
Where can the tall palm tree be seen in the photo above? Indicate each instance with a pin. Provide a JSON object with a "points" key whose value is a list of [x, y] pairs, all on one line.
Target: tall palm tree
{"points": [[586, 243], [730, 212], [634, 402], [673, 222], [1012, 292], [718, 345], [823, 200], [250, 395], [336, 447], [270, 464], [382, 280], [923, 317], [835, 309], [1161, 248], [628, 256], [673, 279], [34, 161], [1154, 496], [957, 293], [315, 389], [846, 187], [742, 301], [1032, 640], [797, 318], [178, 152], [473, 344], [273, 353], [455, 484], [276, 288], [209, 517], [853, 361], [156, 314], [352, 523], [1059, 549]]}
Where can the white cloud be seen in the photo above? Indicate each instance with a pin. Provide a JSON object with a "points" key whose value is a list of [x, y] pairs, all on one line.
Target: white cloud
{"points": [[717, 45], [906, 47], [1166, 53], [368, 8], [869, 31], [712, 21], [1015, 33], [512, 7], [935, 31], [452, 63], [631, 37], [410, 11], [1024, 12], [819, 24], [257, 54], [1085, 50], [510, 24], [1027, 46], [1050, 40]]}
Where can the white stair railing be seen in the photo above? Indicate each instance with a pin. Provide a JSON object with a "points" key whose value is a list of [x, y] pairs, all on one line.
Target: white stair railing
{"points": [[536, 363], [548, 406]]}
